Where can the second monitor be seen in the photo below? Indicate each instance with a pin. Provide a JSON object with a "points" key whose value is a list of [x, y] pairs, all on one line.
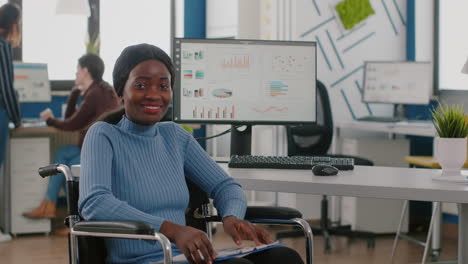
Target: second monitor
{"points": [[406, 82], [227, 81]]}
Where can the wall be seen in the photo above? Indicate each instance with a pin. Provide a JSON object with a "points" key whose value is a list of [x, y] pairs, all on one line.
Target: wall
{"points": [[425, 48], [341, 53]]}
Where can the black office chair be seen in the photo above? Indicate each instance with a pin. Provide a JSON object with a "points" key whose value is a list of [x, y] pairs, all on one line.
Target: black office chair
{"points": [[315, 140], [85, 239]]}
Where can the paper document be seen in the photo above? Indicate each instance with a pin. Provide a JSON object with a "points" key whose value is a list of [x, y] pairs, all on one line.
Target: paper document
{"points": [[228, 253]]}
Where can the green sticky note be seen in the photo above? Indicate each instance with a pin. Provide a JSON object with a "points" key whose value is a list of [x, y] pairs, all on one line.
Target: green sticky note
{"points": [[353, 12]]}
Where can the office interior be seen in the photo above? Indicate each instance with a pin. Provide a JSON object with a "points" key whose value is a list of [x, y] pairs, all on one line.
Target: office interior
{"points": [[396, 31]]}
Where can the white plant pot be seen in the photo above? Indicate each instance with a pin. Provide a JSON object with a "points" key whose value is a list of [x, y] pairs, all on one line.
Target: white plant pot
{"points": [[451, 155]]}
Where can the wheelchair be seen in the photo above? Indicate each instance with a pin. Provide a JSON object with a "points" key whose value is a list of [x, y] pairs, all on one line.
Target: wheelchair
{"points": [[86, 244]]}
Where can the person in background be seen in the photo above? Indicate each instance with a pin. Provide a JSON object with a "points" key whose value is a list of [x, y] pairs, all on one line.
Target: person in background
{"points": [[133, 167], [98, 97], [10, 37]]}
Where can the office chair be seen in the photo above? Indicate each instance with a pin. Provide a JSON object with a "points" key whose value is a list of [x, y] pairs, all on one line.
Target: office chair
{"points": [[86, 244], [315, 140]]}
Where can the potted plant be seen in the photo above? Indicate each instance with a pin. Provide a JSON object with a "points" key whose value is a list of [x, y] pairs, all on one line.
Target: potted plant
{"points": [[451, 141]]}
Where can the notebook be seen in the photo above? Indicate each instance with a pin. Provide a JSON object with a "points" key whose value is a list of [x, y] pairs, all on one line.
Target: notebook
{"points": [[228, 253]]}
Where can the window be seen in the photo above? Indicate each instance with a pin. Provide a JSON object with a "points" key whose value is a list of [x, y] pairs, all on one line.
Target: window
{"points": [[58, 40], [452, 45], [123, 23]]}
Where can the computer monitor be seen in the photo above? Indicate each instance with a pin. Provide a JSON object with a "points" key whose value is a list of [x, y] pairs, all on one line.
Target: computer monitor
{"points": [[227, 81], [392, 82], [31, 80], [249, 82]]}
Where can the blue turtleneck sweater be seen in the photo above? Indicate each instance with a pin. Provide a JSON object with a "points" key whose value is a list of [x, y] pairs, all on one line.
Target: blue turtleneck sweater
{"points": [[134, 172]]}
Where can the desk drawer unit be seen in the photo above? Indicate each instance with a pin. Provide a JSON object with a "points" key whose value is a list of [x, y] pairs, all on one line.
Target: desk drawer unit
{"points": [[27, 189]]}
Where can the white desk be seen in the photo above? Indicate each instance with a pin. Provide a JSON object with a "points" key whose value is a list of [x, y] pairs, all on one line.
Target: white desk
{"points": [[372, 182], [413, 128]]}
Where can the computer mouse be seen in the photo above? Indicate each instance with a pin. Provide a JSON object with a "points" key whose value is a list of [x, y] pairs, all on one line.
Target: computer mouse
{"points": [[324, 170]]}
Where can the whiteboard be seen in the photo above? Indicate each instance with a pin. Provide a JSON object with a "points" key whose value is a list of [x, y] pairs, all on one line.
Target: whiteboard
{"points": [[398, 82], [31, 80]]}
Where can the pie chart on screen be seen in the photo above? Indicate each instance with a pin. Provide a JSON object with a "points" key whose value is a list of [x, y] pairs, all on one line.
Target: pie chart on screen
{"points": [[222, 93]]}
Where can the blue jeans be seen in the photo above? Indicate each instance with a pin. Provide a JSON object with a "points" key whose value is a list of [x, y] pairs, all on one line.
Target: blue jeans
{"points": [[67, 155]]}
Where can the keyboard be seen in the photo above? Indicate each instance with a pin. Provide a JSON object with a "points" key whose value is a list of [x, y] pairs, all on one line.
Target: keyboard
{"points": [[284, 162], [385, 119]]}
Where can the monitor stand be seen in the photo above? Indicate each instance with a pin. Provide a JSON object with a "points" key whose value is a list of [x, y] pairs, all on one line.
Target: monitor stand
{"points": [[241, 140]]}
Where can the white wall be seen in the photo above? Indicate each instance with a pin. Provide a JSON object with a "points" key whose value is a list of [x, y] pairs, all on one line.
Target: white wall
{"points": [[179, 19], [342, 53], [425, 48]]}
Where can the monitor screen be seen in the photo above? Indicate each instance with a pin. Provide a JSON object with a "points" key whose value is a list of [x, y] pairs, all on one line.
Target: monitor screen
{"points": [[398, 82], [31, 80], [226, 81]]}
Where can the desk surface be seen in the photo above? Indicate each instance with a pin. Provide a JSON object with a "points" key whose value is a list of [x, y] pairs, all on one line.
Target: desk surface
{"points": [[414, 128], [363, 181], [34, 129]]}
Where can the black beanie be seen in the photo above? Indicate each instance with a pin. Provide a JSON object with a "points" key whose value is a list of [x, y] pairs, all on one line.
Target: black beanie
{"points": [[133, 55]]}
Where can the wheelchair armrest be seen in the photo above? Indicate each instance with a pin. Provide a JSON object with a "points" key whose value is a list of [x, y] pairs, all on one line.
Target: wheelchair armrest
{"points": [[264, 212], [121, 227], [271, 212]]}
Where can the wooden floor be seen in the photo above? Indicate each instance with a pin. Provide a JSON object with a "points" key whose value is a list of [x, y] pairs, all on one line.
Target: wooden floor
{"points": [[50, 249]]}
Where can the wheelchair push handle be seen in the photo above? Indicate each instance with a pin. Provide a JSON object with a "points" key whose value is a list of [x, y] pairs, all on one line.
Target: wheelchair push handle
{"points": [[51, 170]]}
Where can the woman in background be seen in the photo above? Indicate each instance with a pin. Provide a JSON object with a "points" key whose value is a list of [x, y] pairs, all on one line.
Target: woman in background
{"points": [[10, 37], [98, 98]]}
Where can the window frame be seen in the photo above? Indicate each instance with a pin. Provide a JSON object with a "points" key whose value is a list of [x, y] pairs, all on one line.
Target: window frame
{"points": [[93, 27], [93, 30]]}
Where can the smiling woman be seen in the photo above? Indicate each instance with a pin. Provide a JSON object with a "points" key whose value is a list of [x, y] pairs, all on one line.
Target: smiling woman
{"points": [[147, 93], [135, 168]]}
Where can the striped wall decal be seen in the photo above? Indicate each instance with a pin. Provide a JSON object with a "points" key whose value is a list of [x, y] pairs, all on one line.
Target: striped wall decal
{"points": [[351, 31], [323, 53], [358, 42], [316, 7], [361, 92], [358, 86], [346, 76], [389, 17], [400, 14], [317, 27], [335, 49], [345, 98]]}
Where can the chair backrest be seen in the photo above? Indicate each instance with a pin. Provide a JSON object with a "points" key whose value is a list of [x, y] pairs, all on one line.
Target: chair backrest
{"points": [[198, 199], [91, 250], [316, 139], [313, 139]]}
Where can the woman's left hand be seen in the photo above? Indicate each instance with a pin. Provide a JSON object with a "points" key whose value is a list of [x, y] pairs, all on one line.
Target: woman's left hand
{"points": [[243, 230]]}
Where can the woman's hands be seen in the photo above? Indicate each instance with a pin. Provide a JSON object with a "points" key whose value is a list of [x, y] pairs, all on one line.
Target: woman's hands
{"points": [[195, 244], [46, 114], [242, 230], [191, 241]]}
